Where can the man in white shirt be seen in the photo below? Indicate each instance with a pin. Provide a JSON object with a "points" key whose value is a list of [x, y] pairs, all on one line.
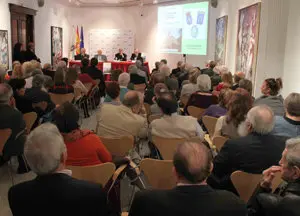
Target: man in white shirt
{"points": [[100, 57]]}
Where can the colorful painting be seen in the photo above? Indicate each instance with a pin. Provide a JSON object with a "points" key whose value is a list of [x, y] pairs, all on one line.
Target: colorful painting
{"points": [[247, 40], [4, 60], [221, 38], [56, 45]]}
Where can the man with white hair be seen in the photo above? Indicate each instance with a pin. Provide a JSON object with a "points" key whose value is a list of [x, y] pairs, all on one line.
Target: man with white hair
{"points": [[192, 196], [12, 119], [82, 55], [286, 198], [252, 153], [53, 190]]}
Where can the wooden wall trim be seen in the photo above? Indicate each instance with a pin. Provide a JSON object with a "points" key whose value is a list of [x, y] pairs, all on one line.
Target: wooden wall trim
{"points": [[20, 9]]}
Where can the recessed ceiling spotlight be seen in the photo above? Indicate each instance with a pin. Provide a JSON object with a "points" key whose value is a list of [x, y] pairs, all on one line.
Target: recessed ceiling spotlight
{"points": [[155, 2]]}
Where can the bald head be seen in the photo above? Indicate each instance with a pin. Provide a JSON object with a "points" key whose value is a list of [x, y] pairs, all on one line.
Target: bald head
{"points": [[192, 162], [131, 99], [261, 119]]}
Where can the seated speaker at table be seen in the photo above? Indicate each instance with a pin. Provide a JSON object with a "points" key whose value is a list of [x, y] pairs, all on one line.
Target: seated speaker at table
{"points": [[100, 57], [82, 55], [120, 56], [136, 55]]}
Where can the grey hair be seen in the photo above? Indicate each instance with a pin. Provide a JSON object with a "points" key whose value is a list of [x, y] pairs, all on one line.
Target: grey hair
{"points": [[293, 151], [2, 74], [6, 93], [165, 70], [62, 64], [132, 69], [44, 148], [38, 81], [37, 71], [261, 119], [292, 104], [139, 64], [124, 79], [204, 82]]}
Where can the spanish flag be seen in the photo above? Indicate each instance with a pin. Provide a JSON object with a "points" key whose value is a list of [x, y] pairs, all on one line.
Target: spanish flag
{"points": [[77, 42]]}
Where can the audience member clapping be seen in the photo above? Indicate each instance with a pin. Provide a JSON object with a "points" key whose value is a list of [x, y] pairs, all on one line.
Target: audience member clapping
{"points": [[192, 165], [271, 97], [54, 190]]}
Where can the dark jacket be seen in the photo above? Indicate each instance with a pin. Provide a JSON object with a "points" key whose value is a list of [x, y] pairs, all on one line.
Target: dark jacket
{"points": [[137, 79], [57, 194], [120, 57], [19, 56], [274, 102], [80, 57], [252, 154], [284, 201], [13, 119], [187, 201], [95, 73], [200, 100], [149, 94], [29, 55], [210, 72]]}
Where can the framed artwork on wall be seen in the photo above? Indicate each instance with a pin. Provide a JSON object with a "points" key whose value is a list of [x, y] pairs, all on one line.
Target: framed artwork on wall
{"points": [[247, 40], [4, 59], [221, 39], [56, 45]]}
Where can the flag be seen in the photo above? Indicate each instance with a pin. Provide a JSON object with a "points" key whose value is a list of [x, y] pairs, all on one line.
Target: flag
{"points": [[81, 38], [77, 42]]}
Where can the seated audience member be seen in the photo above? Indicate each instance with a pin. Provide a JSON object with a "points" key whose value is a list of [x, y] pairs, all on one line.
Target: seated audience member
{"points": [[84, 65], [60, 86], [184, 76], [237, 78], [27, 68], [141, 70], [29, 54], [63, 65], [47, 70], [217, 76], [226, 81], [238, 106], [100, 57], [163, 62], [192, 86], [192, 196], [246, 84], [118, 121], [159, 88], [2, 74], [202, 98], [66, 60], [149, 92], [82, 55], [113, 92], [17, 72], [135, 76], [18, 53], [23, 104], [97, 74], [115, 74], [172, 125], [36, 64], [121, 56], [134, 55], [171, 83], [286, 198], [84, 77], [252, 153], [289, 125], [48, 83], [270, 90], [210, 68], [10, 118], [156, 69], [83, 146], [220, 109], [54, 190], [176, 71], [123, 81]]}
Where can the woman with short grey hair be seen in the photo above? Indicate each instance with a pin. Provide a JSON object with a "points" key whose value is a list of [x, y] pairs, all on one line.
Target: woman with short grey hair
{"points": [[204, 83], [135, 76]]}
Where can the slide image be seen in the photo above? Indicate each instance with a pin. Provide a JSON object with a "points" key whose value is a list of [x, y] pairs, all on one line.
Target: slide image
{"points": [[200, 17], [194, 31], [171, 40], [189, 18]]}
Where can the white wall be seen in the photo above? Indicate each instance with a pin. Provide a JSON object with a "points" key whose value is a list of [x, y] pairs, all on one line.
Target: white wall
{"points": [[50, 15], [145, 28], [291, 77]]}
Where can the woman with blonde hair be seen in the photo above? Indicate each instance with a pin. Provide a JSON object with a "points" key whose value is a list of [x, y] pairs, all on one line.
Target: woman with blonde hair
{"points": [[17, 72], [227, 81]]}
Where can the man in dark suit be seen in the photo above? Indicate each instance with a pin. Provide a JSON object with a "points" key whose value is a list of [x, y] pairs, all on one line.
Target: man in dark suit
{"points": [[82, 55], [10, 118], [53, 191], [135, 55], [29, 54], [252, 153], [209, 70], [120, 56], [177, 71], [97, 74], [192, 196]]}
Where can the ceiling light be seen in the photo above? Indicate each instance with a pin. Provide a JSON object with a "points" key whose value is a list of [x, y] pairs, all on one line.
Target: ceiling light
{"points": [[155, 2]]}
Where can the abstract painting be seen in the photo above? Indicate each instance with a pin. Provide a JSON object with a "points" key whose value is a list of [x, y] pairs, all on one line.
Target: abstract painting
{"points": [[56, 45], [221, 38], [247, 40], [4, 60]]}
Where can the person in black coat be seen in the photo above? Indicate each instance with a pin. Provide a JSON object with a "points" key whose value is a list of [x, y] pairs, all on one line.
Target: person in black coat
{"points": [[97, 74], [18, 53], [82, 55], [54, 191], [120, 56], [252, 153], [136, 55], [286, 198], [192, 196], [30, 54]]}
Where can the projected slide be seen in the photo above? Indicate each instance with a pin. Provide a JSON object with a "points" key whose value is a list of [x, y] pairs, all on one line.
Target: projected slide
{"points": [[183, 28]]}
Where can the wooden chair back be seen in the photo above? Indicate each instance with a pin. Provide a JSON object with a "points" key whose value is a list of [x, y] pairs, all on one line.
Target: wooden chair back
{"points": [[118, 146], [4, 136], [88, 86], [195, 111], [245, 183], [219, 141], [153, 117], [77, 93], [147, 109], [158, 173], [99, 174], [167, 146], [29, 119], [210, 124], [184, 99], [59, 99]]}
